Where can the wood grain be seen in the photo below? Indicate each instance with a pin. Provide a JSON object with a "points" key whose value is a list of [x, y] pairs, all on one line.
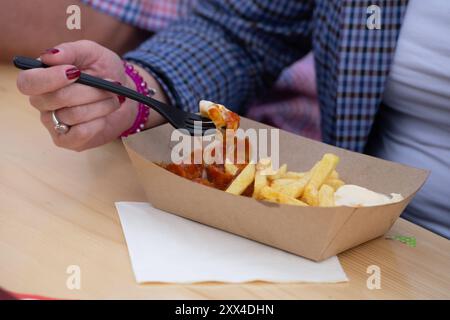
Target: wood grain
{"points": [[57, 209]]}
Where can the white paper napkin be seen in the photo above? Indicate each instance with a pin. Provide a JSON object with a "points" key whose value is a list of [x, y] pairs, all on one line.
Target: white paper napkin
{"points": [[166, 248]]}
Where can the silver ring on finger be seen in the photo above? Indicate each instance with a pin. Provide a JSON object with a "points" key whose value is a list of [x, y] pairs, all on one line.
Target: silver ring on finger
{"points": [[59, 127]]}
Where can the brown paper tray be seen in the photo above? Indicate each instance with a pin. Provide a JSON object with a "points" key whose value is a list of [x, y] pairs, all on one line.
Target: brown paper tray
{"points": [[314, 233]]}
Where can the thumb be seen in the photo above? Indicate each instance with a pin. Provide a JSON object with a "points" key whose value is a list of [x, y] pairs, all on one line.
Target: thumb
{"points": [[81, 53]]}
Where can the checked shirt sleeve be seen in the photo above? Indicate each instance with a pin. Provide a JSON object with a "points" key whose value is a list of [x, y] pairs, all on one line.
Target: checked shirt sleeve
{"points": [[227, 51]]}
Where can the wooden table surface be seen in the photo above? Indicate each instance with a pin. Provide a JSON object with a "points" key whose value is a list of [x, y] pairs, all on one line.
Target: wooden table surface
{"points": [[57, 209]]}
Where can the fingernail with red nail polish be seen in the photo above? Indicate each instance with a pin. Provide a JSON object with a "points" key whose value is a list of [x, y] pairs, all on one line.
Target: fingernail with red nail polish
{"points": [[72, 73], [51, 51], [121, 99]]}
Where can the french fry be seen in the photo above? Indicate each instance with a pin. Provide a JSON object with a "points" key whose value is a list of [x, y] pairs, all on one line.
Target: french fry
{"points": [[243, 180], [323, 170], [272, 195], [281, 182], [264, 166], [260, 182], [231, 168], [334, 183], [294, 175], [296, 188], [284, 199], [311, 195], [326, 196], [315, 187], [334, 175], [279, 173], [319, 174]]}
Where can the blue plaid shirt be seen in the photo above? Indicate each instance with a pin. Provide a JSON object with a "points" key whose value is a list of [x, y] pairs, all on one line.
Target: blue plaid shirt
{"points": [[229, 51]]}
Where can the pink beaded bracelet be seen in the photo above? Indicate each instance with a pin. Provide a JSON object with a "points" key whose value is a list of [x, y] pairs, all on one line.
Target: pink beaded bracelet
{"points": [[143, 110]]}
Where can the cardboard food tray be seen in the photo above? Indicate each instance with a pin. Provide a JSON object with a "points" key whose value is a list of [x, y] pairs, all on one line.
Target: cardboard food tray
{"points": [[315, 233]]}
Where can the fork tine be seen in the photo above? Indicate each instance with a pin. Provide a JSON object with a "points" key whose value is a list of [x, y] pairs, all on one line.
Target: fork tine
{"points": [[203, 123], [199, 129], [208, 132], [208, 125], [197, 117], [194, 132]]}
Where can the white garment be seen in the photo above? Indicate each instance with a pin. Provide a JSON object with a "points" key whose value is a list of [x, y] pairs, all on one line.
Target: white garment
{"points": [[414, 128]]}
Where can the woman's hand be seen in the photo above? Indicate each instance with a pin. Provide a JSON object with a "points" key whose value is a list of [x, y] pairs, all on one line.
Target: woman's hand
{"points": [[95, 116]]}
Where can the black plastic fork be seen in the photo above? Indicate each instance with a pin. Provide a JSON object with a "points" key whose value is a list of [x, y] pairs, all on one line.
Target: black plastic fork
{"points": [[179, 119]]}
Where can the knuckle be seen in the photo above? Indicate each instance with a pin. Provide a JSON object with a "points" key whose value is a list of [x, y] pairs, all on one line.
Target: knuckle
{"points": [[65, 143], [75, 115], [45, 102], [34, 101], [87, 43], [45, 118], [23, 83], [38, 102], [113, 104], [57, 141], [82, 134], [61, 96], [78, 148]]}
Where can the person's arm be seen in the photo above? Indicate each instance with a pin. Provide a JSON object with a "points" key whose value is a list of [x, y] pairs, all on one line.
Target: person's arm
{"points": [[227, 50]]}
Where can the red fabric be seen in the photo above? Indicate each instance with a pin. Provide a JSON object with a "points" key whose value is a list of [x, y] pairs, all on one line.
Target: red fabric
{"points": [[8, 295]]}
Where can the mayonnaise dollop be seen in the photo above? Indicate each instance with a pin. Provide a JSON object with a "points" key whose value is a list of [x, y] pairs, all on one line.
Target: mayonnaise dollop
{"points": [[356, 196]]}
